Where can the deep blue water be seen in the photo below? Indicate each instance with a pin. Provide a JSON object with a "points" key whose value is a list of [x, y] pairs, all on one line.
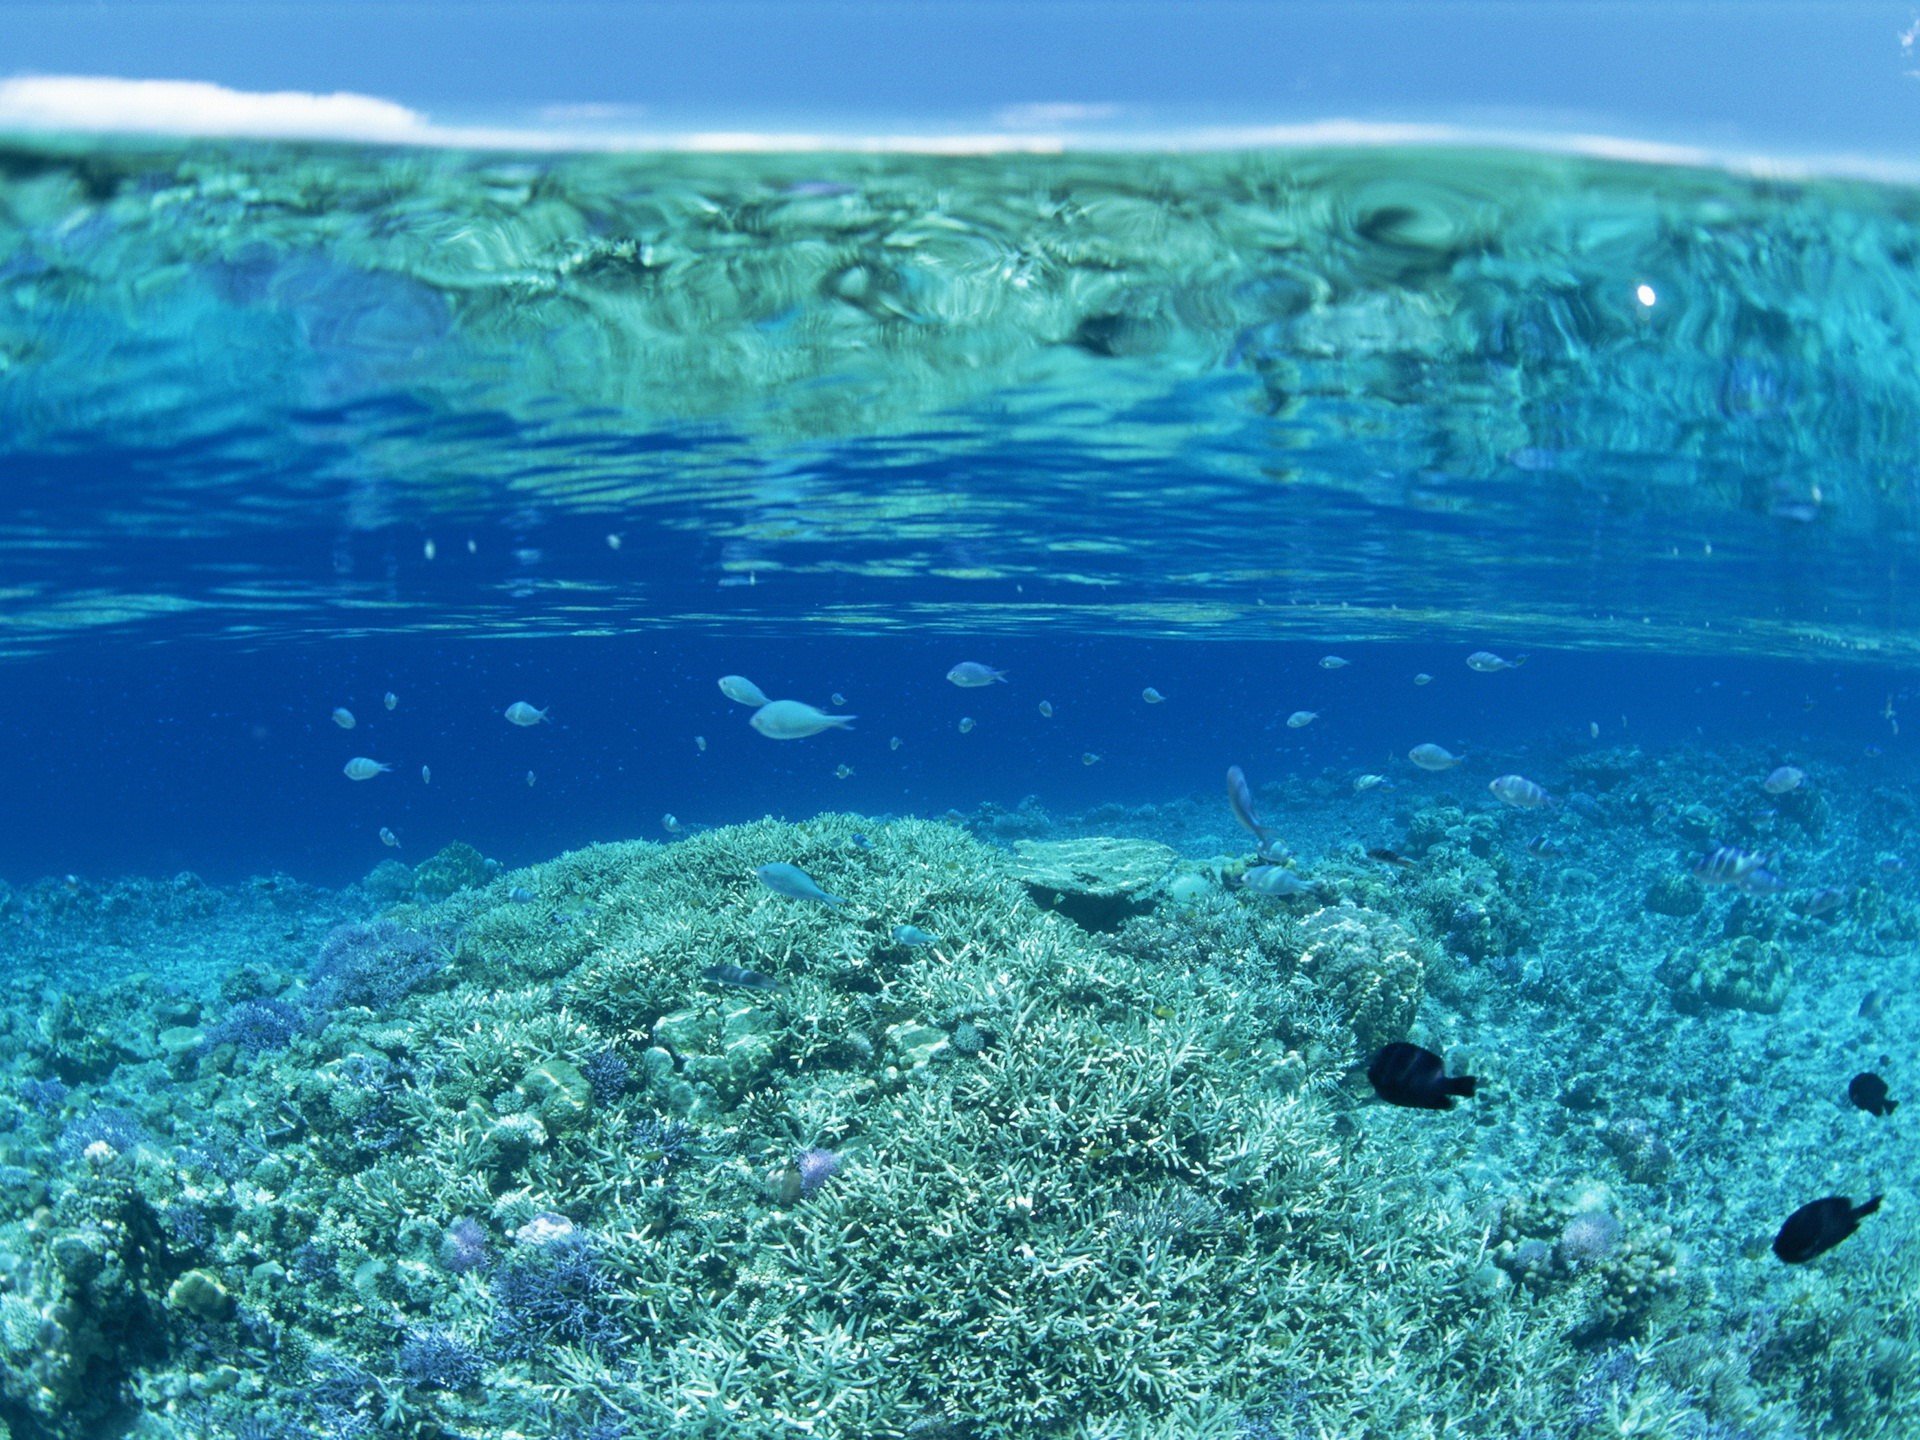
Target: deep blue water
{"points": [[228, 764]]}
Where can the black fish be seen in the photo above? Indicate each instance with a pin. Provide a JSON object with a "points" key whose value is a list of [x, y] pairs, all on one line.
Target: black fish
{"points": [[1869, 1092], [1404, 1074], [1817, 1227], [724, 974]]}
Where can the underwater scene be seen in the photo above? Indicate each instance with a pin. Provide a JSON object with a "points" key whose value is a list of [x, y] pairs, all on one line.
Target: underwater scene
{"points": [[1260, 794]]}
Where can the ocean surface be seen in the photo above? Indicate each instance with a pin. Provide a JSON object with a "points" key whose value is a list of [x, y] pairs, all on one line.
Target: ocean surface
{"points": [[507, 1092]]}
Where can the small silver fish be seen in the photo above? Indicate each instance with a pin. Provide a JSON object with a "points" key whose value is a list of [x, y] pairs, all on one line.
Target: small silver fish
{"points": [[1300, 719], [1487, 663], [388, 838], [1782, 780], [670, 823], [700, 743], [1364, 783], [390, 700], [893, 742], [1152, 696], [966, 724], [361, 768], [1046, 709], [1333, 662], [521, 713], [838, 698], [842, 771], [1423, 678], [426, 776], [912, 936], [343, 717], [529, 779], [1089, 758], [794, 883], [1433, 757]]}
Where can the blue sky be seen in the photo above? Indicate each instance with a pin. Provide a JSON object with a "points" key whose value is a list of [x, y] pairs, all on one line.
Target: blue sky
{"points": [[1815, 75]]}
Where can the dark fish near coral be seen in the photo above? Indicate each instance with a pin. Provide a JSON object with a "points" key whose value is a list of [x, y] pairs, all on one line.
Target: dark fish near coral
{"points": [[1818, 1226], [739, 976], [1406, 1074], [1391, 857], [1868, 1091]]}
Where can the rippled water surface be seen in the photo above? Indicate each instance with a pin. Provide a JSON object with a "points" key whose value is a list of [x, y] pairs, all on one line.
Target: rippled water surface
{"points": [[265, 392]]}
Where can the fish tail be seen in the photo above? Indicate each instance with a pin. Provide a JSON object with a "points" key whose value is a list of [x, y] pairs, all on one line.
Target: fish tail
{"points": [[1860, 1212], [833, 899], [1462, 1085], [845, 722]]}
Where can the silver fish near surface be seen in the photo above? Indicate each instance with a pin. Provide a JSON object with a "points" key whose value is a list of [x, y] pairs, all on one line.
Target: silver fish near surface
{"points": [[1738, 869], [1487, 663], [795, 720], [794, 883], [1519, 792], [742, 691], [1334, 662], [971, 675]]}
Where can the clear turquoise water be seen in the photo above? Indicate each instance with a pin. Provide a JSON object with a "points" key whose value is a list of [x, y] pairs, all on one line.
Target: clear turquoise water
{"points": [[291, 428]]}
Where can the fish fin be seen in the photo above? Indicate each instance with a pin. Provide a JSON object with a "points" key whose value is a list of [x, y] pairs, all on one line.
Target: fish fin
{"points": [[1463, 1085], [1862, 1211], [1892, 1105]]}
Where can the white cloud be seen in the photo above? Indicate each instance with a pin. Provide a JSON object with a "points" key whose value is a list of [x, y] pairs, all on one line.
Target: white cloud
{"points": [[92, 103], [1045, 113]]}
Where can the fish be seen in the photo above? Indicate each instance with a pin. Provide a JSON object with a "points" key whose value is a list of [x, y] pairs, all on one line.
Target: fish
{"points": [[1543, 845], [1593, 729], [520, 895], [389, 700], [1333, 662], [1433, 757], [1300, 719], [971, 675], [1276, 881], [1818, 1226], [842, 770], [912, 935], [795, 720], [966, 724], [530, 779], [861, 842], [1364, 783], [739, 977], [1782, 780], [742, 691], [426, 776], [1406, 1074], [837, 698], [389, 839], [794, 883], [1868, 1092], [343, 717], [1152, 696], [1423, 678], [1519, 792], [522, 714], [1392, 857], [1822, 902], [700, 743], [1488, 663], [1240, 801], [670, 823], [1087, 757], [1046, 710], [361, 768], [1741, 869], [893, 743]]}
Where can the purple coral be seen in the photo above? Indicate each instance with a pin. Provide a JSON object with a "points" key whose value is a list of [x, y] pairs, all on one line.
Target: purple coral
{"points": [[1587, 1238], [816, 1167], [375, 966], [464, 1246]]}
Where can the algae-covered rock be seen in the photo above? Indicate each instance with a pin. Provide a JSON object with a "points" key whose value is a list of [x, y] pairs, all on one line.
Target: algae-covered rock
{"points": [[1745, 973], [1096, 882], [1373, 968], [199, 1292], [457, 867], [558, 1093], [1676, 895]]}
